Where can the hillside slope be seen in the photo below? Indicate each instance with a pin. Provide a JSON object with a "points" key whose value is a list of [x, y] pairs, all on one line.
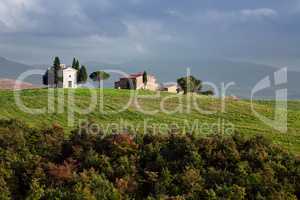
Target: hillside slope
{"points": [[237, 115], [10, 84]]}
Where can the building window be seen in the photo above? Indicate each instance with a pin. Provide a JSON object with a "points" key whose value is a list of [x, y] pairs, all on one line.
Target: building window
{"points": [[70, 76], [70, 84]]}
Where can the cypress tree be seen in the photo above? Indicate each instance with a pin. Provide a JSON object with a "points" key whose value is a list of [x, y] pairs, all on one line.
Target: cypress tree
{"points": [[82, 75], [77, 65], [74, 63], [56, 69], [145, 78], [46, 77]]}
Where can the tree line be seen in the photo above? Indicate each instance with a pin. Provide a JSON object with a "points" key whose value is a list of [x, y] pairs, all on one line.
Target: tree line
{"points": [[188, 84]]}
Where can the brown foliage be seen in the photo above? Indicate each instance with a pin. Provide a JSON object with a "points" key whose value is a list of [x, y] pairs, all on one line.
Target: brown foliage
{"points": [[126, 185], [62, 172], [122, 139]]}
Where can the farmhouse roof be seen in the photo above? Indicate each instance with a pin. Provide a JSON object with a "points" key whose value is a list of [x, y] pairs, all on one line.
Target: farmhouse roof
{"points": [[169, 84], [136, 75]]}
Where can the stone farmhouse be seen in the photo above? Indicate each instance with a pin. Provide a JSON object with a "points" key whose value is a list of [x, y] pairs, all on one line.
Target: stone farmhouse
{"points": [[135, 81], [170, 87]]}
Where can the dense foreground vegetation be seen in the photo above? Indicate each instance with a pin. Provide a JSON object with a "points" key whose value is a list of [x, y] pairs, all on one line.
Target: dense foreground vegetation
{"points": [[47, 165]]}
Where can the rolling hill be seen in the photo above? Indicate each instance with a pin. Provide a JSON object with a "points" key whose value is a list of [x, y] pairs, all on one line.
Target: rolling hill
{"points": [[237, 115]]}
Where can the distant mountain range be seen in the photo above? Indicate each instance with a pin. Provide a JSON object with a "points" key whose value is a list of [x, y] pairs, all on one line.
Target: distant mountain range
{"points": [[245, 75], [12, 70]]}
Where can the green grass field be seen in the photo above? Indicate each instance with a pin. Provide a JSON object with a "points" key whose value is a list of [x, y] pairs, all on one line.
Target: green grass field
{"points": [[236, 113]]}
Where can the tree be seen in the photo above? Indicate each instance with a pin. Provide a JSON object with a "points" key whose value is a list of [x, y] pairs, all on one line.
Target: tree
{"points": [[82, 75], [74, 63], [99, 76], [145, 79], [208, 93], [77, 65], [52, 75], [189, 84], [56, 68], [46, 78]]}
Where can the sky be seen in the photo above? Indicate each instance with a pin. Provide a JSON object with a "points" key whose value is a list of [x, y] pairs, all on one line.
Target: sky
{"points": [[119, 31]]}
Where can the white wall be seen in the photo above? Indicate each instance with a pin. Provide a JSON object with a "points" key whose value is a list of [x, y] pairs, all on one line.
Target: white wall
{"points": [[69, 74]]}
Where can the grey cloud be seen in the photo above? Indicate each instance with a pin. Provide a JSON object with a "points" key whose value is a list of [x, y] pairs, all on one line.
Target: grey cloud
{"points": [[237, 16], [121, 30], [260, 12]]}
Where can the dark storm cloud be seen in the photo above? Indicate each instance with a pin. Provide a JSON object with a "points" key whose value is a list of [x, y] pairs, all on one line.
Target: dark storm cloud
{"points": [[122, 30]]}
